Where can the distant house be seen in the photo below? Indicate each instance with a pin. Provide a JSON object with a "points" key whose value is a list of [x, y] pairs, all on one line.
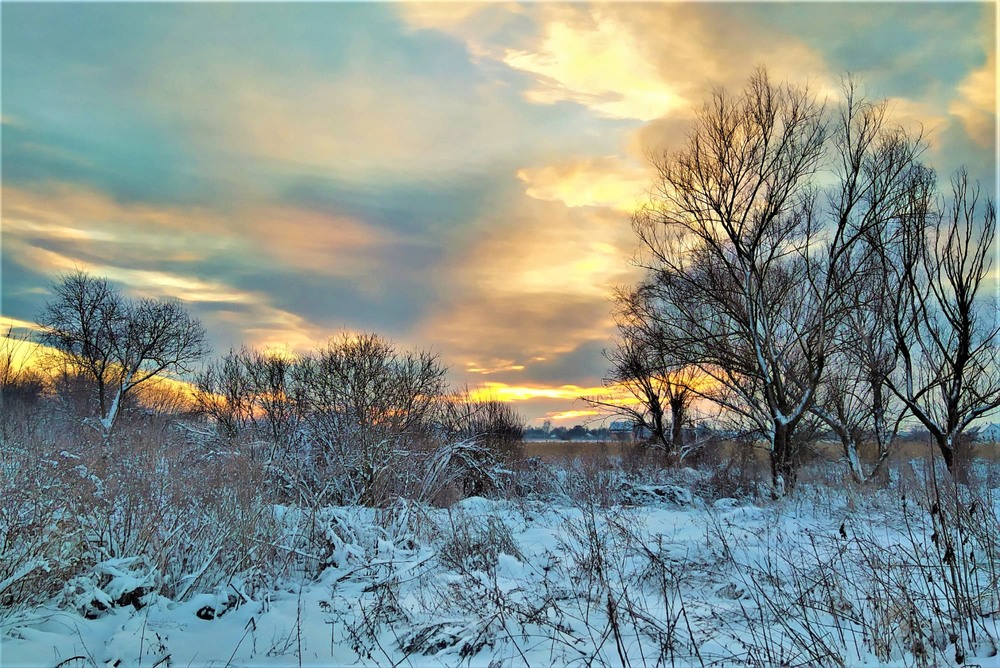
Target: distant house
{"points": [[621, 427], [627, 430], [989, 433]]}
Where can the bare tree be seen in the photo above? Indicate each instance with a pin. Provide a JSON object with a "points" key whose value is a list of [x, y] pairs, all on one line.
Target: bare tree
{"points": [[277, 395], [117, 342], [224, 391], [879, 176], [854, 400], [251, 394], [750, 253], [946, 338], [658, 382], [365, 406]]}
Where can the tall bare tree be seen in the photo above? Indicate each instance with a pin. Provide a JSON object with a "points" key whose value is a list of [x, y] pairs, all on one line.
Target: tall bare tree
{"points": [[117, 342], [879, 177]]}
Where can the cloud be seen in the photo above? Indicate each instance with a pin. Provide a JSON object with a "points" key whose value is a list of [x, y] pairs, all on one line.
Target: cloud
{"points": [[362, 128], [549, 401], [976, 104], [526, 303], [605, 181], [586, 415], [458, 174], [91, 226], [394, 107], [505, 392], [637, 61], [196, 255], [597, 64], [539, 249], [492, 366]]}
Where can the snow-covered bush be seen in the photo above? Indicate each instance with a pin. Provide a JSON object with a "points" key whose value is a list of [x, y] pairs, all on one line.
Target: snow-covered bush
{"points": [[40, 544]]}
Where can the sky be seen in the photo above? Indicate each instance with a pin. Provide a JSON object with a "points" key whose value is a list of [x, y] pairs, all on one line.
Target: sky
{"points": [[456, 177]]}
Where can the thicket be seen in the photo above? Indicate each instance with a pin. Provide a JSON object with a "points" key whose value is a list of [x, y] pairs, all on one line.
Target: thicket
{"points": [[117, 490]]}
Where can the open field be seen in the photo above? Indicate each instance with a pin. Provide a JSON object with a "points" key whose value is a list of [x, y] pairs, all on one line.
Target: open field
{"points": [[590, 563]]}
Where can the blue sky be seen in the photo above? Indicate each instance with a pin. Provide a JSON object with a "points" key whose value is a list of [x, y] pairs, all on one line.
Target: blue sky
{"points": [[454, 176]]}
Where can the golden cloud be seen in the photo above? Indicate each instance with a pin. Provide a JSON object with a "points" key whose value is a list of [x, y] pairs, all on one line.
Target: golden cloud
{"points": [[607, 181], [595, 63], [518, 393], [535, 284], [572, 415], [638, 61], [977, 104], [549, 250], [546, 399]]}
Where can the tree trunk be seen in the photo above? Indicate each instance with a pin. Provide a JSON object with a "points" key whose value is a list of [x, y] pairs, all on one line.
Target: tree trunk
{"points": [[783, 464], [946, 445], [677, 423]]}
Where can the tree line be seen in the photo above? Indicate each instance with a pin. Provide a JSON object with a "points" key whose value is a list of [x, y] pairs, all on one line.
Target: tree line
{"points": [[345, 423], [805, 271]]}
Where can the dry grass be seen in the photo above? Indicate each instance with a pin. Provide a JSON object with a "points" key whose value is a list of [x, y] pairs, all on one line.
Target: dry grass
{"points": [[561, 451]]}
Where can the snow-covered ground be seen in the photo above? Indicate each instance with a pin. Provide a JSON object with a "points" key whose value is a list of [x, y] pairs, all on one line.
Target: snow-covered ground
{"points": [[661, 573]]}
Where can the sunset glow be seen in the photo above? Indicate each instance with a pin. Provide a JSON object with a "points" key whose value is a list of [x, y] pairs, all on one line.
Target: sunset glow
{"points": [[456, 177]]}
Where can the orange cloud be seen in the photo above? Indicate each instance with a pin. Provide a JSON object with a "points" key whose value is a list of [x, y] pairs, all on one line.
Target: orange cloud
{"points": [[63, 229], [517, 393], [323, 243], [326, 244], [572, 415]]}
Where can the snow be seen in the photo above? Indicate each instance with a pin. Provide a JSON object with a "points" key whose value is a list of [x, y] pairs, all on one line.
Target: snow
{"points": [[664, 574]]}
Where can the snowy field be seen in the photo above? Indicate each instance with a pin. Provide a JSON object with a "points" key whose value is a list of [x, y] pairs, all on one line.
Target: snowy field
{"points": [[609, 570]]}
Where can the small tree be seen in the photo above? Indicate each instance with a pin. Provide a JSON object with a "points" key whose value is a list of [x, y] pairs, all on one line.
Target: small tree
{"points": [[249, 393], [657, 379], [21, 385], [117, 342], [365, 405], [223, 391], [946, 337]]}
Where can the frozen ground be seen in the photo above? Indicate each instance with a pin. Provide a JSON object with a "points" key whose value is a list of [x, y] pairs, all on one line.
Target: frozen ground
{"points": [[624, 574]]}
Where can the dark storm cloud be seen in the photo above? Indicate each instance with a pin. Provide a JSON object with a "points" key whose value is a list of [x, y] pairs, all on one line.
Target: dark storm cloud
{"points": [[585, 363]]}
